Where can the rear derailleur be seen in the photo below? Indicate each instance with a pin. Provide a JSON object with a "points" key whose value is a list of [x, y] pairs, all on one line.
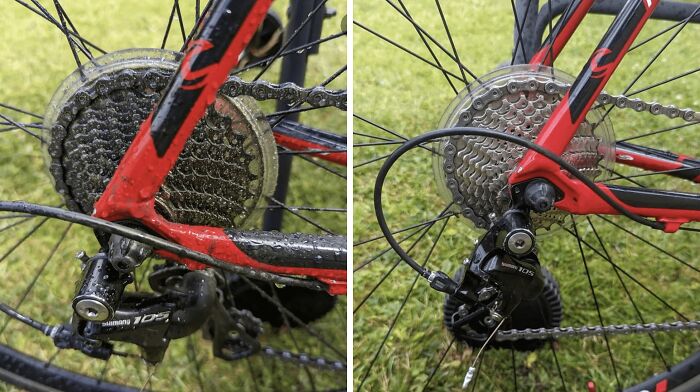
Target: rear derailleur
{"points": [[182, 302], [502, 282]]}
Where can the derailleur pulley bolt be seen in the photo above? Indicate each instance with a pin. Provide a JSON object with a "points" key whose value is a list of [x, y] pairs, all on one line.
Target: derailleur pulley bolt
{"points": [[487, 293], [82, 256]]}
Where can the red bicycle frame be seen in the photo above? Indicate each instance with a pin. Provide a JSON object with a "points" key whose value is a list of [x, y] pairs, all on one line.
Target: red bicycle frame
{"points": [[219, 39], [671, 208]]}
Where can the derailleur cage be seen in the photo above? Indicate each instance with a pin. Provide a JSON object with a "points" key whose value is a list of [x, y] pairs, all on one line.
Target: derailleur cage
{"points": [[183, 302], [502, 271]]}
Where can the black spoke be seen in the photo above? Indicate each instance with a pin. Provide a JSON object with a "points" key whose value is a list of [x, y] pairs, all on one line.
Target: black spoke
{"points": [[372, 136], [627, 293], [31, 284], [289, 40], [64, 29], [21, 127], [324, 167], [654, 173], [595, 301], [366, 262], [430, 49], [290, 51], [661, 50], [22, 239], [403, 48], [449, 37], [305, 208], [661, 83], [53, 21], [285, 320], [629, 276], [16, 109], [325, 83], [649, 243], [295, 110], [440, 216], [436, 42], [167, 28], [298, 215], [519, 28], [312, 151], [398, 313], [396, 264], [437, 367], [180, 22], [556, 361], [664, 130], [294, 318], [14, 224]]}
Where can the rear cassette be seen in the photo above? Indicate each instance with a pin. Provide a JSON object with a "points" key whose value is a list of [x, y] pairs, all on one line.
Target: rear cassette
{"points": [[224, 172]]}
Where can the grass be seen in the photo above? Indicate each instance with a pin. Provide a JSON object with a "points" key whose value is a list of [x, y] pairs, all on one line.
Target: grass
{"points": [[36, 59], [403, 94]]}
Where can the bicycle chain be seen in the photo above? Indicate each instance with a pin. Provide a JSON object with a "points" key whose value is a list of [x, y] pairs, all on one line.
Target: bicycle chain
{"points": [[317, 96], [596, 330], [622, 102], [304, 359]]}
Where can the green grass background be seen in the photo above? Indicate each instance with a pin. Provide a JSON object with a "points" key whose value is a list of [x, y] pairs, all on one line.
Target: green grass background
{"points": [[405, 95], [36, 58]]}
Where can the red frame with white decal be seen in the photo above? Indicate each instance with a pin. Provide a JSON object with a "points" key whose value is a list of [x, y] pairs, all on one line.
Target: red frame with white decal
{"points": [[220, 37], [671, 208]]}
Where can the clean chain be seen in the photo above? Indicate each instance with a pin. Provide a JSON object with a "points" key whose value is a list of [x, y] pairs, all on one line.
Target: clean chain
{"points": [[622, 102]]}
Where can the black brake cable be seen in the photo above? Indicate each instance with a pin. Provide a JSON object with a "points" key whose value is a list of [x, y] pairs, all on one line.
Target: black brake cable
{"points": [[470, 131]]}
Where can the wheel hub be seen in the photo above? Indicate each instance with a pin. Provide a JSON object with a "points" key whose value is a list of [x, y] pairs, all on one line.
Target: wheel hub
{"points": [[223, 173]]}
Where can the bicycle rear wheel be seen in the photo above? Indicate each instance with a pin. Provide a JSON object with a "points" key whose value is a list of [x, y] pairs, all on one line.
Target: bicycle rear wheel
{"points": [[606, 270], [37, 253]]}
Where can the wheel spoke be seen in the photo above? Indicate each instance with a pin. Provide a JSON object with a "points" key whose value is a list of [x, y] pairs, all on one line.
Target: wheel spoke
{"points": [[430, 49], [447, 52], [437, 367], [629, 276], [42, 268], [649, 243], [300, 216], [442, 215], [288, 42], [627, 292], [595, 301], [449, 37], [412, 53], [398, 313], [293, 317]]}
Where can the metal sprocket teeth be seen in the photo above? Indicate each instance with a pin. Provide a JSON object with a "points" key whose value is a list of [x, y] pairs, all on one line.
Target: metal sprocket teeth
{"points": [[475, 169], [227, 166]]}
